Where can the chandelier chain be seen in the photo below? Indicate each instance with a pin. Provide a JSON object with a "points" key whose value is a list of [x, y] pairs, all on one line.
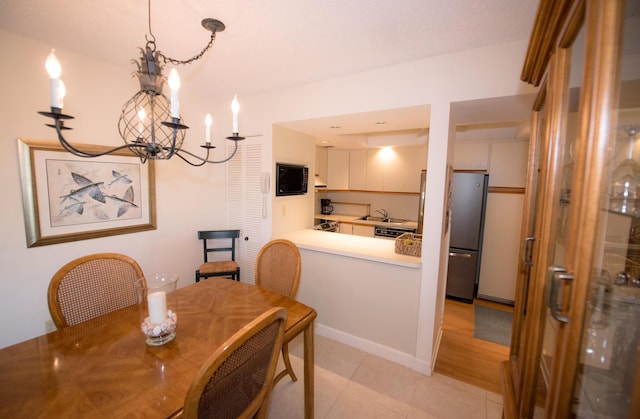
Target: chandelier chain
{"points": [[190, 60], [166, 59]]}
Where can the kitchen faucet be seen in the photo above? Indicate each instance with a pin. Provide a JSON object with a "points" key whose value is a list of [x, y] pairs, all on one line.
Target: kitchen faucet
{"points": [[383, 212]]}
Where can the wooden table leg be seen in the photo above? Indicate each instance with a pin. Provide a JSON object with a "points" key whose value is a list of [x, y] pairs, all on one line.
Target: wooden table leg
{"points": [[308, 371]]}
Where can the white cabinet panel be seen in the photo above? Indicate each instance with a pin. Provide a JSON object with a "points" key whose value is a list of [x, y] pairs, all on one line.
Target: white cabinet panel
{"points": [[501, 246], [471, 156], [508, 164], [358, 169], [345, 228], [375, 170], [402, 171], [338, 169], [363, 230]]}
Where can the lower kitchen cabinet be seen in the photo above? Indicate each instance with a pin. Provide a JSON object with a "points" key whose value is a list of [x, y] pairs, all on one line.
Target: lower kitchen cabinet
{"points": [[363, 230], [345, 227]]}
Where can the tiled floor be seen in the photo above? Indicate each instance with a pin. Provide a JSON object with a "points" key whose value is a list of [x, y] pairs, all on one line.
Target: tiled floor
{"points": [[352, 384]]}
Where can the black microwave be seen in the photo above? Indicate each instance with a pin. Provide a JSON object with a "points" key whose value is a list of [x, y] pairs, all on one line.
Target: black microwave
{"points": [[291, 179]]}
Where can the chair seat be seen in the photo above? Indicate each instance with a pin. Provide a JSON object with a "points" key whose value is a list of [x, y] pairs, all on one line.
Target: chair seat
{"points": [[218, 267]]}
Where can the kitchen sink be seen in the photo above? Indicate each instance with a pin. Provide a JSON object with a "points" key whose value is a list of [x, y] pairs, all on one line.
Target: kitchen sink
{"points": [[383, 220]]}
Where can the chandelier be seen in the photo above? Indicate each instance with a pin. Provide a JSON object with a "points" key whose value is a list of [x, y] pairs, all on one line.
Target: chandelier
{"points": [[150, 123]]}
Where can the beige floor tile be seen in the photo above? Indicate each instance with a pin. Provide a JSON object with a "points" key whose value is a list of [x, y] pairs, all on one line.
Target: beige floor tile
{"points": [[334, 356], [357, 401], [388, 378], [447, 399], [287, 397]]}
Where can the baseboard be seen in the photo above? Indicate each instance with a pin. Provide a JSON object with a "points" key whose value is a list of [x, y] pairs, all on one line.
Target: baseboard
{"points": [[496, 299], [390, 354]]}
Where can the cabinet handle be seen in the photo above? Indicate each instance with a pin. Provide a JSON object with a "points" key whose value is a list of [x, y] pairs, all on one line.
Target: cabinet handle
{"points": [[557, 274], [526, 251], [460, 255]]}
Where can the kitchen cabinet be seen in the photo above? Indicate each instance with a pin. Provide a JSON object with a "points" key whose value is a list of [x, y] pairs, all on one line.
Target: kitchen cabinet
{"points": [[500, 246], [363, 230], [375, 170], [508, 158], [471, 156], [574, 350], [338, 169], [396, 169], [345, 227], [358, 170], [402, 169]]}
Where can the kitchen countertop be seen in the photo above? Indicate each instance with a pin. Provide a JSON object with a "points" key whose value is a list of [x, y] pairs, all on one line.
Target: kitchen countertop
{"points": [[377, 250], [356, 219]]}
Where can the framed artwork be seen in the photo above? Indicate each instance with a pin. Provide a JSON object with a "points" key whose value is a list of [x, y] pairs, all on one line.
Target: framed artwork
{"points": [[67, 198]]}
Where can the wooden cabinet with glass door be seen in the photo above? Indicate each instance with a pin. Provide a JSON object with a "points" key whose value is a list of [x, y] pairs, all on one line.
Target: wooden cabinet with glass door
{"points": [[576, 329]]}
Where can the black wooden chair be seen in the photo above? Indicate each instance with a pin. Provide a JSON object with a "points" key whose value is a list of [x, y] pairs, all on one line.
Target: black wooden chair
{"points": [[226, 267]]}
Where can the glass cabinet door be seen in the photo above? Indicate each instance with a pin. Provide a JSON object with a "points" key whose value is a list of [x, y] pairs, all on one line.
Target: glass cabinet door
{"points": [[553, 231], [607, 380]]}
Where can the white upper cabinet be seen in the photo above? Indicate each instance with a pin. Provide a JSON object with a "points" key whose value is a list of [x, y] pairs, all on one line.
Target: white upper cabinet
{"points": [[375, 171], [394, 169], [505, 161], [508, 164], [338, 169], [402, 171], [358, 170]]}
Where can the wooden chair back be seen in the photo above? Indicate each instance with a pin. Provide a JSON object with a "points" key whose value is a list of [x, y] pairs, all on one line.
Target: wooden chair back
{"points": [[278, 267], [91, 286], [236, 381]]}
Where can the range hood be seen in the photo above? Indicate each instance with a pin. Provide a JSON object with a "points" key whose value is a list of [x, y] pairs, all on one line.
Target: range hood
{"points": [[319, 183]]}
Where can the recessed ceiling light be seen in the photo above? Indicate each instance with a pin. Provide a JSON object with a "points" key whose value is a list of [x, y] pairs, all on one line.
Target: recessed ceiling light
{"points": [[381, 122], [335, 126], [324, 142]]}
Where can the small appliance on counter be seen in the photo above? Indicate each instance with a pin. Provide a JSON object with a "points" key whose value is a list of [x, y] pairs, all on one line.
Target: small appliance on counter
{"points": [[325, 206], [325, 225]]}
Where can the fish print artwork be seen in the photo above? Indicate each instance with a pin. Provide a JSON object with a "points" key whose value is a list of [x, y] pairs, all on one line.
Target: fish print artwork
{"points": [[92, 192]]}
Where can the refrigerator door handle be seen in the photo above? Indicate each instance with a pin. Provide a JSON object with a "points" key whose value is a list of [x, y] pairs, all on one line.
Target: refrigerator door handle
{"points": [[459, 255]]}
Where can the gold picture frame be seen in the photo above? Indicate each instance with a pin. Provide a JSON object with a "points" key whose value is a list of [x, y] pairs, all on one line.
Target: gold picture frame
{"points": [[68, 198]]}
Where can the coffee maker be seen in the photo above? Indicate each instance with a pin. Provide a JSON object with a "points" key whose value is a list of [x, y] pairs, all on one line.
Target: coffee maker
{"points": [[325, 206]]}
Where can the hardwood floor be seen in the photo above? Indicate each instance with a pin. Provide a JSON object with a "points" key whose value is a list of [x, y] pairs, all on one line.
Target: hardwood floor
{"points": [[465, 358]]}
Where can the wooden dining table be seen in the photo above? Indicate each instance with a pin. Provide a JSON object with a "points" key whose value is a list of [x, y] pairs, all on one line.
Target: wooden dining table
{"points": [[104, 368]]}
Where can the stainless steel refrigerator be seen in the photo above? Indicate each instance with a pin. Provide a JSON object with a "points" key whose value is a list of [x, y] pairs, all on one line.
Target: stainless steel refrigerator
{"points": [[468, 203]]}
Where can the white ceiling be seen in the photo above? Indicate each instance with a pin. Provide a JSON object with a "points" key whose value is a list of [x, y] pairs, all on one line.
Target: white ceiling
{"points": [[275, 44]]}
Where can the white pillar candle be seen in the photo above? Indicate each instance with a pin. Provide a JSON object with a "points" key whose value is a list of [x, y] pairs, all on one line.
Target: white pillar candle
{"points": [[174, 85], [62, 92], [54, 69], [235, 107], [157, 307], [207, 122]]}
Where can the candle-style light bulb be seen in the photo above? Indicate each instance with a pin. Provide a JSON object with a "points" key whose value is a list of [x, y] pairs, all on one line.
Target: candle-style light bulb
{"points": [[174, 85], [54, 69], [207, 122], [141, 116], [62, 92], [235, 107]]}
